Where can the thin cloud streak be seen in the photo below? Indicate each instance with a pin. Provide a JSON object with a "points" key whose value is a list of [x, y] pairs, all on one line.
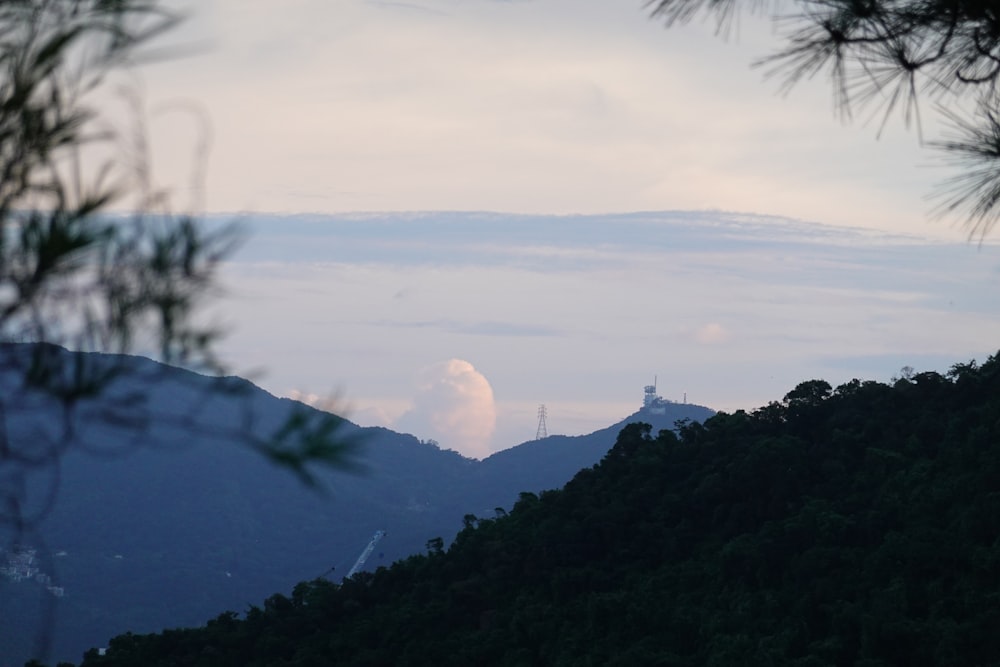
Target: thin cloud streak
{"points": [[485, 328]]}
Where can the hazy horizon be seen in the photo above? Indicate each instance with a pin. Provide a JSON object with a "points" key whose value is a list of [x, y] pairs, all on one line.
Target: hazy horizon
{"points": [[456, 326]]}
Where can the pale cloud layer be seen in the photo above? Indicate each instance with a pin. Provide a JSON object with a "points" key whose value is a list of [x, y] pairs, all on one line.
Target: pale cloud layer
{"points": [[553, 106], [580, 312]]}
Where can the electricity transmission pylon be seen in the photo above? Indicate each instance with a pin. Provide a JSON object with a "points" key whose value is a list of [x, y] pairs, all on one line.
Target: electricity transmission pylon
{"points": [[543, 431]]}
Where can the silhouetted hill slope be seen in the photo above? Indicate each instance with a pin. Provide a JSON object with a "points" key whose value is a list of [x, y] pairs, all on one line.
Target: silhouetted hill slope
{"points": [[550, 462], [171, 523], [855, 526]]}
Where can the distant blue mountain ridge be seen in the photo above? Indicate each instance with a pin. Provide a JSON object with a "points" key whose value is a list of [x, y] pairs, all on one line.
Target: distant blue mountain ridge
{"points": [[160, 517]]}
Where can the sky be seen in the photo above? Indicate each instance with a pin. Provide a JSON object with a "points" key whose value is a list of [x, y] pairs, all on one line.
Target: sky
{"points": [[523, 106], [456, 326], [460, 209]]}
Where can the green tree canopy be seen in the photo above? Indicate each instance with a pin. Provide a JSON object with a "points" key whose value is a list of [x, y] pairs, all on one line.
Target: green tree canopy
{"points": [[853, 526]]}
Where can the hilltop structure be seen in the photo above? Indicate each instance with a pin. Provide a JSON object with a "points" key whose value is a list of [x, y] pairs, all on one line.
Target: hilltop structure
{"points": [[651, 402]]}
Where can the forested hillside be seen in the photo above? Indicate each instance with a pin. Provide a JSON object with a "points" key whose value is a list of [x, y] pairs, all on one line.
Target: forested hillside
{"points": [[853, 526], [170, 524]]}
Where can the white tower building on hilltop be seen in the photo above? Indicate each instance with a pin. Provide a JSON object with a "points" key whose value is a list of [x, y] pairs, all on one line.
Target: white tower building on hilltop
{"points": [[651, 402]]}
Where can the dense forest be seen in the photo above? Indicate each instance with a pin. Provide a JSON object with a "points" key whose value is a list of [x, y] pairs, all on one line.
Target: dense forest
{"points": [[856, 525]]}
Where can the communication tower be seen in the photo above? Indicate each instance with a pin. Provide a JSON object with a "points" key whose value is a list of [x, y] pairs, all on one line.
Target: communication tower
{"points": [[543, 431], [652, 402], [650, 397]]}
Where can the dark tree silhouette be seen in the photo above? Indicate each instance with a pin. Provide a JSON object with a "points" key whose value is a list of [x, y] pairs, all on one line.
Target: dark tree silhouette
{"points": [[889, 54], [853, 525], [75, 278]]}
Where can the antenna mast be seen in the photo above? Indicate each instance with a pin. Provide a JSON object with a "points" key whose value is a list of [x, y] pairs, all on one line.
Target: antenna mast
{"points": [[543, 431]]}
